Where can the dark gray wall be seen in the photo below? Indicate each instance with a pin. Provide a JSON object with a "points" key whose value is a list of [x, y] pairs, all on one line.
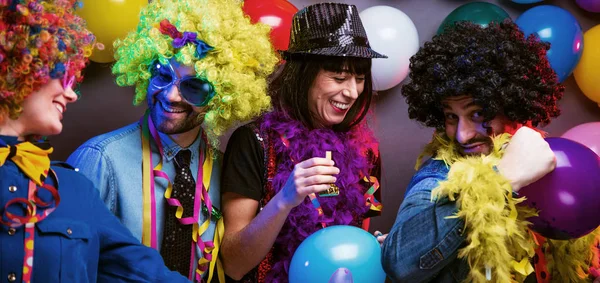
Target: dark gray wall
{"points": [[105, 106]]}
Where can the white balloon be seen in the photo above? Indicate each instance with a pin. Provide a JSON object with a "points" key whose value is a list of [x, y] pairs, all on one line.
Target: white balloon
{"points": [[390, 32]]}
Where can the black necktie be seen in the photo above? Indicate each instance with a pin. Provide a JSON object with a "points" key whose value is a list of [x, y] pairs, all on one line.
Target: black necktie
{"points": [[177, 238]]}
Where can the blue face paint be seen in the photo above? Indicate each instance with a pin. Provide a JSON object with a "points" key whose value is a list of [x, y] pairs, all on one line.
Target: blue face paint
{"points": [[195, 91]]}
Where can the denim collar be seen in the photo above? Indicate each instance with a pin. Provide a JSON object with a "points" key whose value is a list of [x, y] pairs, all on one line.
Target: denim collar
{"points": [[171, 148]]}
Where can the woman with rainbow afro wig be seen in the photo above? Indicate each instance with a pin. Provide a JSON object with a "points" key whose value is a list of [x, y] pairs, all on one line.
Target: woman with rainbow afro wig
{"points": [[194, 62], [53, 225], [37, 42]]}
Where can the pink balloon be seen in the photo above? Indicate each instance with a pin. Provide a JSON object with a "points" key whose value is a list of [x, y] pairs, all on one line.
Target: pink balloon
{"points": [[587, 134]]}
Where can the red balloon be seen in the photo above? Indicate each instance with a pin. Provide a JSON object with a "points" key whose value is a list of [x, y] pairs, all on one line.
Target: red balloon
{"points": [[276, 13]]}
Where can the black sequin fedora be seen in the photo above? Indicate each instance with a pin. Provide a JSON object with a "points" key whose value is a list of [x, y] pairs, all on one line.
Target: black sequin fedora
{"points": [[330, 29]]}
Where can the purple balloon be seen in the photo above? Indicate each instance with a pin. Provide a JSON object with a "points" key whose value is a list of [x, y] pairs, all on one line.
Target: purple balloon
{"points": [[341, 275], [568, 198], [589, 5], [587, 134]]}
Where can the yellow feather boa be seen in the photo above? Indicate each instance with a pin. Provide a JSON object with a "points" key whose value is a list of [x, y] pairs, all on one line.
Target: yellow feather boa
{"points": [[499, 245]]}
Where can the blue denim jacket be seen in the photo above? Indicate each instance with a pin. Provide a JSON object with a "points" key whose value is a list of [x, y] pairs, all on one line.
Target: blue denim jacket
{"points": [[79, 242], [113, 161], [423, 244]]}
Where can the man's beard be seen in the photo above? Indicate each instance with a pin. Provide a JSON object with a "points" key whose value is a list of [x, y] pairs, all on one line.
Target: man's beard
{"points": [[172, 127]]}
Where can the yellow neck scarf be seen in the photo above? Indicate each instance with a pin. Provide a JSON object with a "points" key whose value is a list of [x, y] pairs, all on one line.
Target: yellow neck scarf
{"points": [[30, 158]]}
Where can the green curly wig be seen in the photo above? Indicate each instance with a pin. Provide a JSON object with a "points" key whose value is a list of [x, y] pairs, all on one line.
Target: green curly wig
{"points": [[238, 67]]}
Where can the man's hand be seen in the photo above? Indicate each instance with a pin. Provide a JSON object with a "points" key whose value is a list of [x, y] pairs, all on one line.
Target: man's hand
{"points": [[381, 237], [527, 158]]}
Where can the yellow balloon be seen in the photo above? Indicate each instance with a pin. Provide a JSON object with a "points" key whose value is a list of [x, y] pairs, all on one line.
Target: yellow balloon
{"points": [[109, 20], [587, 72]]}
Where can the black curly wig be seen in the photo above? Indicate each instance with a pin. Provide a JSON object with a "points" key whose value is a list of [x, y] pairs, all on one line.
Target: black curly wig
{"points": [[502, 70]]}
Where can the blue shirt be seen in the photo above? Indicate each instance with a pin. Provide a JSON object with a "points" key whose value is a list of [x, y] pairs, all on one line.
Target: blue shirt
{"points": [[113, 162], [423, 244], [81, 241]]}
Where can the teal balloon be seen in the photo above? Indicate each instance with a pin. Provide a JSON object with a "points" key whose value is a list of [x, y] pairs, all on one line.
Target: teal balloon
{"points": [[481, 13], [338, 254], [527, 1]]}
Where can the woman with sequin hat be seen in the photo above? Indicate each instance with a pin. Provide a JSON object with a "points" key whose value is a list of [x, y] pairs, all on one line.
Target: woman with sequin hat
{"points": [[53, 224], [312, 161]]}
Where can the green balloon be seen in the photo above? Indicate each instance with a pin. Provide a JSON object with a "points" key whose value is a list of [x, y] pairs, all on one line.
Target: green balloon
{"points": [[481, 13]]}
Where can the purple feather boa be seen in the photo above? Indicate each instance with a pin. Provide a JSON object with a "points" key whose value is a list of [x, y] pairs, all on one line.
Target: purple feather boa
{"points": [[350, 153]]}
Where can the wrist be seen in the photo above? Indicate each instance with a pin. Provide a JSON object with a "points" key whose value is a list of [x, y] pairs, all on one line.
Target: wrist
{"points": [[513, 184], [281, 205], [515, 187]]}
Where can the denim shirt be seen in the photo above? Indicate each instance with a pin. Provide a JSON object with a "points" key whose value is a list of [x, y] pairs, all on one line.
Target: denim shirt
{"points": [[79, 242], [423, 244], [113, 161]]}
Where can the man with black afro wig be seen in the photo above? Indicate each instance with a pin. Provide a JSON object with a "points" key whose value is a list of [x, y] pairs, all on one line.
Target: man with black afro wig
{"points": [[501, 70], [483, 90]]}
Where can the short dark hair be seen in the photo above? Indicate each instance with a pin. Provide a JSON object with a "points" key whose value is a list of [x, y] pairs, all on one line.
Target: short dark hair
{"points": [[499, 67], [289, 89]]}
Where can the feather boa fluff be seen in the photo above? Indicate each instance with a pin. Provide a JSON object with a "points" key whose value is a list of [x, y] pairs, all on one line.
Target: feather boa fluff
{"points": [[498, 237], [571, 260], [349, 151]]}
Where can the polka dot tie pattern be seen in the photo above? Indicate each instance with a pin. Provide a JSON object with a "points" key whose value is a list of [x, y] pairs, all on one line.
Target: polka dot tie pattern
{"points": [[539, 260], [28, 259]]}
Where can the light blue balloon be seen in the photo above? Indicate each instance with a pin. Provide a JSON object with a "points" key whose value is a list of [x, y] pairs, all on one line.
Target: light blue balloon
{"points": [[561, 29], [322, 256], [526, 1], [341, 275]]}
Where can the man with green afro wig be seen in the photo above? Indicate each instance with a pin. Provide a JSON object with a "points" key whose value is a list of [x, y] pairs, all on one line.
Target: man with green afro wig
{"points": [[194, 62]]}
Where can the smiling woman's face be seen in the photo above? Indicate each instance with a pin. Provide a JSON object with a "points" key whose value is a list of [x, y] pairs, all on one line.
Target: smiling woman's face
{"points": [[331, 96], [43, 110]]}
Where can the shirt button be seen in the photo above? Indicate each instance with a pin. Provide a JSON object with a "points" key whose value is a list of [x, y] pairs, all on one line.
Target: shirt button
{"points": [[12, 277], [12, 189], [460, 230], [69, 231], [11, 231]]}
